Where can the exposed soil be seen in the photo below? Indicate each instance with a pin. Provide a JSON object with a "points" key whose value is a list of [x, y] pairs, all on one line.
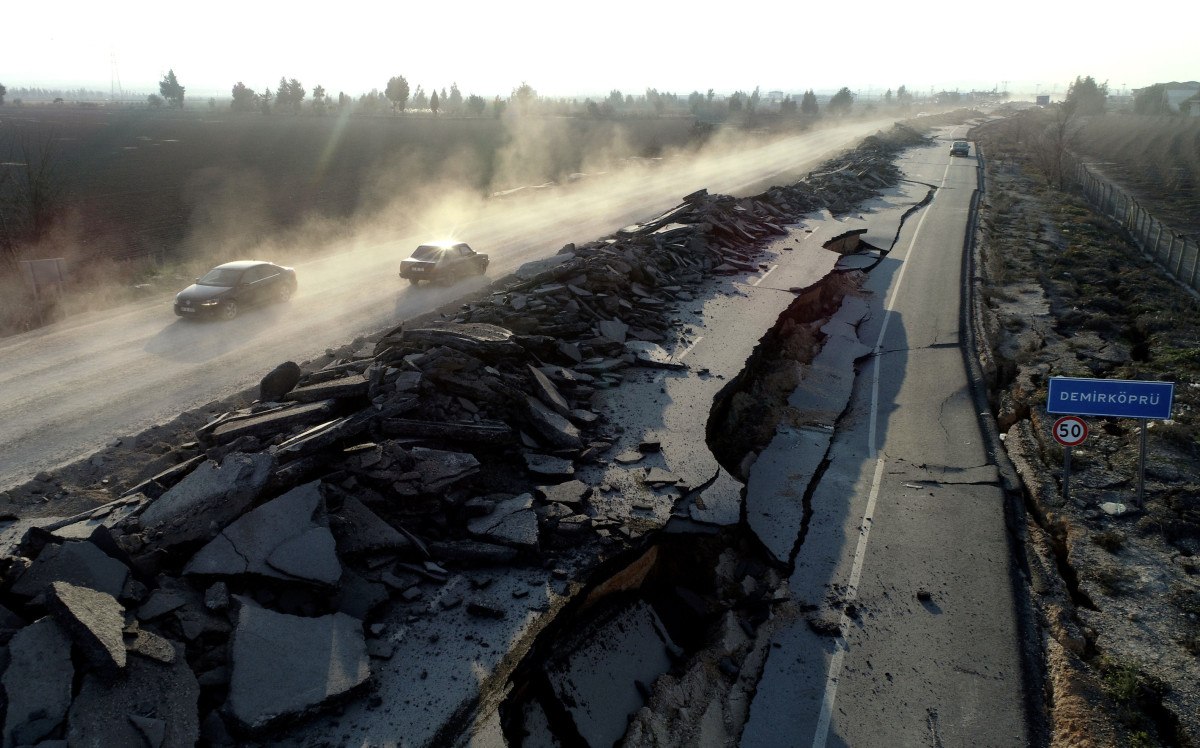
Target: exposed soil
{"points": [[1063, 292]]}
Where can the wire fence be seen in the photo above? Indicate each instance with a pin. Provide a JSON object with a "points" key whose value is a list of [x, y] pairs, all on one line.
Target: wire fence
{"points": [[1178, 253]]}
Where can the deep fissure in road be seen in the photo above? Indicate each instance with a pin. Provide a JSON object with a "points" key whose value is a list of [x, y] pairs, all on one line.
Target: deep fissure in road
{"points": [[672, 606]]}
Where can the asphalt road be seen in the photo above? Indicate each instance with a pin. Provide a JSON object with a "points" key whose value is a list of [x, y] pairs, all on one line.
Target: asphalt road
{"points": [[68, 389], [905, 551]]}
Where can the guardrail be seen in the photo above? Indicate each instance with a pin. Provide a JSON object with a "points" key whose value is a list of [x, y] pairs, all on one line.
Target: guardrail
{"points": [[1178, 253]]}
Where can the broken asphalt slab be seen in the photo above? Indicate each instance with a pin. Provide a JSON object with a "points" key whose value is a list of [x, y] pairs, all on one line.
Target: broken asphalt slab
{"points": [[285, 665]]}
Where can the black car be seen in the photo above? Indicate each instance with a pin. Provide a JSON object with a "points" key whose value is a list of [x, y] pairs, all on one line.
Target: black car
{"points": [[447, 262], [226, 289]]}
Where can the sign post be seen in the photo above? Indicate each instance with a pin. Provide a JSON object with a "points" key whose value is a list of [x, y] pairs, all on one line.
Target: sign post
{"points": [[1116, 398], [1069, 431]]}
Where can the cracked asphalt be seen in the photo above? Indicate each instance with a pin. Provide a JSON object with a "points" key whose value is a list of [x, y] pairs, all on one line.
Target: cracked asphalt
{"points": [[907, 543]]}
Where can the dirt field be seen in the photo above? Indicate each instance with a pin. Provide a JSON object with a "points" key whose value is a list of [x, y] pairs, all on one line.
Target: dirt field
{"points": [[1157, 158], [1115, 584]]}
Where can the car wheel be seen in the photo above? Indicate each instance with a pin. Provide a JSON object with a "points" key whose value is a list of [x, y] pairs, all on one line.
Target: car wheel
{"points": [[285, 293], [413, 281], [229, 310]]}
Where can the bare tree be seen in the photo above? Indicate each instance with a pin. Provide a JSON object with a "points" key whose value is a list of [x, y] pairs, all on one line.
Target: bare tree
{"points": [[31, 187], [1051, 149]]}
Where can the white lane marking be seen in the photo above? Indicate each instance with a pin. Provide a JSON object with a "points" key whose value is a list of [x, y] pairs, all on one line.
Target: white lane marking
{"points": [[688, 350], [662, 374], [763, 277], [868, 519]]}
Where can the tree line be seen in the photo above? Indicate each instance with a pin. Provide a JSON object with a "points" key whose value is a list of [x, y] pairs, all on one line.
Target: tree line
{"points": [[398, 96]]}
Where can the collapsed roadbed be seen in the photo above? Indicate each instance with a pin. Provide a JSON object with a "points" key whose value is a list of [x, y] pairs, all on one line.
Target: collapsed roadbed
{"points": [[439, 531]]}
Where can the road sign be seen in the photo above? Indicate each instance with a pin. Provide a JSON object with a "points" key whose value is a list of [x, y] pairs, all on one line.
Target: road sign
{"points": [[1120, 398], [1070, 431]]}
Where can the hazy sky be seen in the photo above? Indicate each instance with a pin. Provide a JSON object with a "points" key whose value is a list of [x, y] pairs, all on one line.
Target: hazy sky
{"points": [[571, 48]]}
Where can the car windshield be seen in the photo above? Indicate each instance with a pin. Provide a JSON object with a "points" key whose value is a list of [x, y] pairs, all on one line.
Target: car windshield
{"points": [[427, 252], [221, 277]]}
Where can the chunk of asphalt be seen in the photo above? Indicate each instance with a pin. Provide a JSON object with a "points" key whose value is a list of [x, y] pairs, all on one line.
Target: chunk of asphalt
{"points": [[555, 429], [285, 665], [281, 539], [279, 381], [163, 697], [94, 620], [777, 483], [440, 469], [209, 498], [548, 465], [596, 682], [548, 393], [37, 682], [570, 492], [357, 530], [513, 522], [79, 563], [473, 552]]}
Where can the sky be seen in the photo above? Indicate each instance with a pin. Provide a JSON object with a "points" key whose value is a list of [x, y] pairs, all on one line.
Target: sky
{"points": [[577, 49]]}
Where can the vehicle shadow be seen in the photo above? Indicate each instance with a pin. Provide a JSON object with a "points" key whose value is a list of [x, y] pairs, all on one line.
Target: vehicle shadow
{"points": [[196, 341]]}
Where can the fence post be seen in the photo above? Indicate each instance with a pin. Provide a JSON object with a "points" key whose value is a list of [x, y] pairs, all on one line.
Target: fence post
{"points": [[1195, 262], [1157, 238], [1179, 262], [1171, 253]]}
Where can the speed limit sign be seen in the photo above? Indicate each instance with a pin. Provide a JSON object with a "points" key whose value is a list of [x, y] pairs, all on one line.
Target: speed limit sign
{"points": [[1070, 431]]}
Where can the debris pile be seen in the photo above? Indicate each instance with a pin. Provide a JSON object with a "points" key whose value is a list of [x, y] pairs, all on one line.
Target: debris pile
{"points": [[240, 588]]}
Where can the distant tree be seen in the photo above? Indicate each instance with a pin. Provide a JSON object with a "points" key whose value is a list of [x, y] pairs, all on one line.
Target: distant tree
{"points": [[153, 100], [343, 100], [523, 97], [1152, 100], [397, 92], [454, 103], [443, 97], [737, 101], [808, 104], [171, 90], [656, 100], [842, 101], [788, 106], [289, 95], [752, 102], [264, 100], [212, 102], [319, 102], [476, 105], [420, 99], [628, 99], [498, 107], [434, 103], [1086, 96], [903, 97], [710, 95], [887, 96], [244, 99], [283, 93], [695, 102], [3, 91]]}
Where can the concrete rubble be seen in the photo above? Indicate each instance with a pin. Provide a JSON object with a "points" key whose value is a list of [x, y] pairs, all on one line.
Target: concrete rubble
{"points": [[423, 483]]}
